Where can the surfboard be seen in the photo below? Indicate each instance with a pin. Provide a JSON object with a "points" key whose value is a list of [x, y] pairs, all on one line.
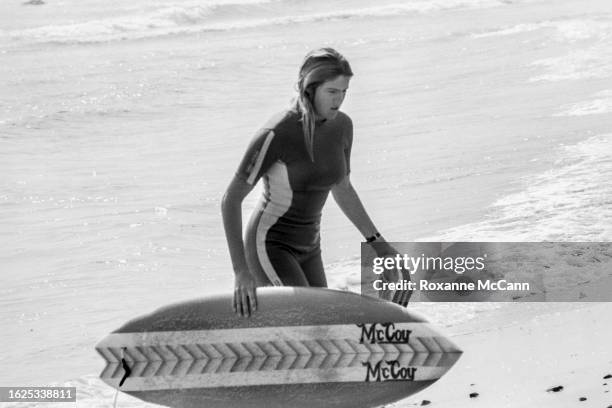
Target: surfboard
{"points": [[303, 347]]}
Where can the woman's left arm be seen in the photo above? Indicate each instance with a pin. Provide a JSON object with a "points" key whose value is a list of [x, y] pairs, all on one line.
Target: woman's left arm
{"points": [[345, 195]]}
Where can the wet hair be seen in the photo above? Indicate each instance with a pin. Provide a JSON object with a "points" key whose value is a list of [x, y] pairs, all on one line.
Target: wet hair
{"points": [[319, 66]]}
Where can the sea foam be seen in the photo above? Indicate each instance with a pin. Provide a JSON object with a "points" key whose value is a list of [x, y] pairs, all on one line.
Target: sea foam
{"points": [[180, 19]]}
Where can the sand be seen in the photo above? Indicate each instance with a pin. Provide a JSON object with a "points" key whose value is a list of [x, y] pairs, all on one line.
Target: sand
{"points": [[514, 357]]}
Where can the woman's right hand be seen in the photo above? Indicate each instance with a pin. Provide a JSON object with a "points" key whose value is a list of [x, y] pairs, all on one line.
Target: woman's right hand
{"points": [[245, 296]]}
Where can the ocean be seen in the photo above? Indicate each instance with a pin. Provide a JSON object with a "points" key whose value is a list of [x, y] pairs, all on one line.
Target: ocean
{"points": [[121, 124]]}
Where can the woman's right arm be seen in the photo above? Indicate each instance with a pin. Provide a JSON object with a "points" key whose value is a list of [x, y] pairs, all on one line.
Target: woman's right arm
{"points": [[261, 153], [245, 298]]}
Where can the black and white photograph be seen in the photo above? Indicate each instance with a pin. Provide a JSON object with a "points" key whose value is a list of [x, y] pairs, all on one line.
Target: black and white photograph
{"points": [[233, 203]]}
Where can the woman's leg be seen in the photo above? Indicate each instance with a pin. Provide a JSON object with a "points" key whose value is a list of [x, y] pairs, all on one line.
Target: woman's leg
{"points": [[313, 270], [286, 266]]}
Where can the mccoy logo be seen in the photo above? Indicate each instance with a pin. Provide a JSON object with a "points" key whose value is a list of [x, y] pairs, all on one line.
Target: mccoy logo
{"points": [[383, 334], [388, 371]]}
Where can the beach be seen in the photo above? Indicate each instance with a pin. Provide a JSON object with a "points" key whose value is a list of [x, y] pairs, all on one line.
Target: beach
{"points": [[510, 361], [475, 120]]}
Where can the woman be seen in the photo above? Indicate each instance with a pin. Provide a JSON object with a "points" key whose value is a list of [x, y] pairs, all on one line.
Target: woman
{"points": [[302, 154]]}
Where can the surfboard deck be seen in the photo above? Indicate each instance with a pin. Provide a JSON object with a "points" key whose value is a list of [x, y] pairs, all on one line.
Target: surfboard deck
{"points": [[304, 347]]}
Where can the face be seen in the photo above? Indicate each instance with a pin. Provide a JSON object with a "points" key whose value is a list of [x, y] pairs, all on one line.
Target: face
{"points": [[329, 96]]}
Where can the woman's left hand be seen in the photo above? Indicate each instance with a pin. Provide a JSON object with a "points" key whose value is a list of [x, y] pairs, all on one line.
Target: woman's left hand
{"points": [[384, 250]]}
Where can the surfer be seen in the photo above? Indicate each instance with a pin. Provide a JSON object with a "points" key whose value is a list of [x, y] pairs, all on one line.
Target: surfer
{"points": [[302, 154]]}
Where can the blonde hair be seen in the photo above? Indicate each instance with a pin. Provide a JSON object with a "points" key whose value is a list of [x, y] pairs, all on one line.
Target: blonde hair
{"points": [[319, 66]]}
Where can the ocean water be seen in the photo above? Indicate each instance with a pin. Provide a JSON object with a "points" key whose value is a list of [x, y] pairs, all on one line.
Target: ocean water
{"points": [[122, 123]]}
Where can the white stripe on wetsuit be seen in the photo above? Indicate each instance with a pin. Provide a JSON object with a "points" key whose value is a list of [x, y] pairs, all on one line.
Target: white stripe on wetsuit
{"points": [[260, 158], [279, 202]]}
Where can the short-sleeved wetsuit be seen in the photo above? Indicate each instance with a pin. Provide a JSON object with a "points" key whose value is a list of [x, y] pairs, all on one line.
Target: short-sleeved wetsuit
{"points": [[282, 243]]}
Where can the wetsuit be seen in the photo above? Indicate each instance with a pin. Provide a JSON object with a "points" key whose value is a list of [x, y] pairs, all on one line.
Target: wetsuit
{"points": [[282, 242]]}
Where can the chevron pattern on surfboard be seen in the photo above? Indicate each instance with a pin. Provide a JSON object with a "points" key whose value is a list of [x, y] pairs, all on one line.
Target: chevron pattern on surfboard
{"points": [[256, 356]]}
